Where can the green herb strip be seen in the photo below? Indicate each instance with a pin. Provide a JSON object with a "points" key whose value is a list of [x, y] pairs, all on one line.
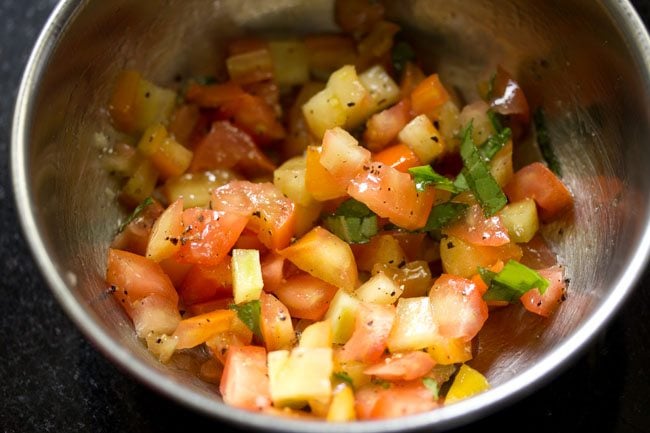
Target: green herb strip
{"points": [[477, 175], [249, 313], [514, 280], [136, 213]]}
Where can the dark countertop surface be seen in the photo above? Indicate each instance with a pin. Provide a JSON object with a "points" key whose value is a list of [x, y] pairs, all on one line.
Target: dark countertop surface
{"points": [[53, 380]]}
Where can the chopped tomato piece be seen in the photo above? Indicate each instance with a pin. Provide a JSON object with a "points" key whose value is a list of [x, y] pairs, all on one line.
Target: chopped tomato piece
{"points": [[412, 76], [555, 293], [245, 381], [402, 366], [458, 307], [226, 146], [382, 128], [135, 236], [391, 194], [237, 335], [272, 271], [305, 296], [155, 313], [255, 116], [213, 95], [198, 329], [539, 183], [508, 97], [371, 330], [320, 183], [204, 283], [399, 399], [399, 156], [275, 323], [429, 95], [357, 16], [476, 229], [269, 213], [135, 277], [325, 256], [208, 235], [209, 306], [342, 156]]}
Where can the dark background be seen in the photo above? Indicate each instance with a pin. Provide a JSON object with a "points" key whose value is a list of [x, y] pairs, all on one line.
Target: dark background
{"points": [[53, 380]]}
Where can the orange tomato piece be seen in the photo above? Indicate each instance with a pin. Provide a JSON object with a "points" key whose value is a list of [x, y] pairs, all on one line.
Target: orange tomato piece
{"points": [[305, 296], [325, 256], [398, 156], [476, 229], [372, 327], [245, 381], [198, 329], [382, 128], [555, 293], [204, 283], [320, 183], [122, 106], [135, 277], [342, 156], [275, 323], [536, 181], [272, 271], [226, 146], [208, 235], [255, 116], [213, 95], [269, 213], [391, 194], [429, 95], [402, 366], [458, 307], [397, 400]]}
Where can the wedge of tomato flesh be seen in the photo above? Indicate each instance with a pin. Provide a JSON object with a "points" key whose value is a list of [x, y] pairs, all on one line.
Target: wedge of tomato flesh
{"points": [[199, 329], [402, 366], [245, 381], [208, 235], [269, 213], [397, 400], [555, 293], [391, 194], [305, 296], [204, 283], [458, 307], [382, 128], [536, 181], [476, 229], [135, 277], [370, 336], [398, 156]]}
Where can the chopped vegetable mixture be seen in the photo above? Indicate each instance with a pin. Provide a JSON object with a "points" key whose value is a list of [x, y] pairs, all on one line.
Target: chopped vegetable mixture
{"points": [[324, 232]]}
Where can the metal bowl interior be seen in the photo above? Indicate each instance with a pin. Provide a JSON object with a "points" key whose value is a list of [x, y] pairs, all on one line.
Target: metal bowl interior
{"points": [[585, 62]]}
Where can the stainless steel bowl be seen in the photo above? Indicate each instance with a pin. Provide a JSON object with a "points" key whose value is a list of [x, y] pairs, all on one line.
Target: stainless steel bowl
{"points": [[587, 62]]}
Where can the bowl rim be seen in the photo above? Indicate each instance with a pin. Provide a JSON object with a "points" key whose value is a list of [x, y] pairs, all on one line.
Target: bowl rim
{"points": [[636, 36]]}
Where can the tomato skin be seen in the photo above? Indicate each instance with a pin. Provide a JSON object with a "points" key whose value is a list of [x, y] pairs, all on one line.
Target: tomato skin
{"points": [[204, 283], [135, 236], [476, 229], [320, 183], [213, 95], [402, 366], [306, 297], [458, 307], [392, 194], [136, 277], [555, 293], [536, 181], [272, 271], [370, 336], [399, 156], [226, 146], [429, 95], [508, 97], [269, 213], [382, 128], [208, 236], [245, 382], [397, 400]]}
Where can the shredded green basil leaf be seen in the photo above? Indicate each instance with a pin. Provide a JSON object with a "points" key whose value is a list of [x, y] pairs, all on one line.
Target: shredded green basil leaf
{"points": [[477, 175], [496, 119], [544, 142], [401, 54], [495, 143], [249, 313], [514, 280], [425, 175], [431, 384], [343, 377], [136, 213], [353, 222], [443, 214]]}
